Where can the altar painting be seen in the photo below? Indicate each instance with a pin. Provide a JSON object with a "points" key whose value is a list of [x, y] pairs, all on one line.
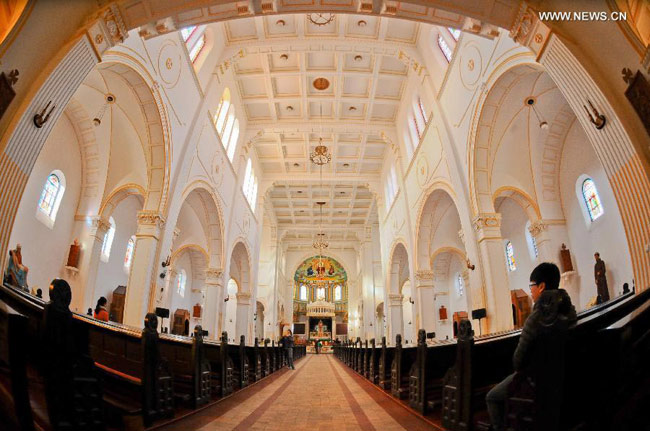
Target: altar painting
{"points": [[320, 279]]}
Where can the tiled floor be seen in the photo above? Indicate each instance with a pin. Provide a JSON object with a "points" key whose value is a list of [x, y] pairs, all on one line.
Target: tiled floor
{"points": [[321, 394]]}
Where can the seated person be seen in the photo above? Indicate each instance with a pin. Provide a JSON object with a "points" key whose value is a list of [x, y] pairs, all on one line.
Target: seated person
{"points": [[552, 313], [100, 309], [16, 274]]}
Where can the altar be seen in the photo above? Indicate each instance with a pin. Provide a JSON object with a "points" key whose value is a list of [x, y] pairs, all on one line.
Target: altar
{"points": [[321, 316], [320, 328]]}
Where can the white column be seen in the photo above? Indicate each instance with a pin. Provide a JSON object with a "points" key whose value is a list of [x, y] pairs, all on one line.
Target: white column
{"points": [[498, 303], [396, 319], [83, 295], [141, 279], [426, 316], [214, 291], [243, 307]]}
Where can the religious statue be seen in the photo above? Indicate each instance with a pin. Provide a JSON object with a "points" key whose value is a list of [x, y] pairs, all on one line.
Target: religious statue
{"points": [[320, 329], [16, 273], [601, 278]]}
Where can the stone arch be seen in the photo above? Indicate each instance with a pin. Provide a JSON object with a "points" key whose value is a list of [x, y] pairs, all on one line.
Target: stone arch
{"points": [[524, 200], [199, 259], [90, 158], [158, 147], [240, 267], [201, 196], [482, 128], [117, 196], [397, 276], [451, 251], [424, 230]]}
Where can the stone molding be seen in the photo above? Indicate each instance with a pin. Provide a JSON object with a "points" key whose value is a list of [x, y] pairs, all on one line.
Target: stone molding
{"points": [[486, 221], [151, 218], [244, 298], [537, 227], [395, 299], [99, 225], [424, 274]]}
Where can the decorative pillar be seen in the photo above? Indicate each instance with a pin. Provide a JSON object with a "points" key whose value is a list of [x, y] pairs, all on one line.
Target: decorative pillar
{"points": [[539, 231], [424, 293], [396, 318], [214, 295], [498, 303], [83, 295], [243, 307], [141, 276]]}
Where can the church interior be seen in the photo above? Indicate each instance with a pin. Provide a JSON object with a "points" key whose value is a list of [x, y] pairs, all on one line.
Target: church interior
{"points": [[440, 211]]}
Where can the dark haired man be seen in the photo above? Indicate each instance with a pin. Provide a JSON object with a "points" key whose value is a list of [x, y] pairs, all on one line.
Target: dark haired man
{"points": [[552, 315]]}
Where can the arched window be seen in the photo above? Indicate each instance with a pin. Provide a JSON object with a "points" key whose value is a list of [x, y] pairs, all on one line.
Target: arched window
{"points": [[591, 198], [250, 185], [51, 196], [108, 241], [186, 32], [222, 111], [228, 130], [181, 280], [455, 33], [128, 257], [320, 293], [303, 292], [197, 47], [337, 293], [460, 284], [232, 141], [532, 242], [423, 112], [444, 47], [510, 257]]}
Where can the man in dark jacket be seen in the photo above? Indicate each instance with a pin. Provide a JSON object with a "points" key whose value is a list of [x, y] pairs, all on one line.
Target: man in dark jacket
{"points": [[553, 314], [287, 345]]}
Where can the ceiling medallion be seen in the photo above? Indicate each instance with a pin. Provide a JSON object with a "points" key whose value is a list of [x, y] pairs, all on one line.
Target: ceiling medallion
{"points": [[361, 23], [320, 19], [284, 57], [321, 84], [358, 58], [280, 23], [321, 155]]}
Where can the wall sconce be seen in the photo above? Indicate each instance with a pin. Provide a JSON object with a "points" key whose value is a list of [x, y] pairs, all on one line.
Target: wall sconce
{"points": [[166, 262], [599, 121], [470, 266], [411, 300], [163, 274], [254, 316], [226, 299], [41, 118]]}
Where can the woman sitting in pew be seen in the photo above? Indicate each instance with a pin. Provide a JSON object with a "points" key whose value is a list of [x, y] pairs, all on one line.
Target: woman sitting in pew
{"points": [[100, 310], [553, 314]]}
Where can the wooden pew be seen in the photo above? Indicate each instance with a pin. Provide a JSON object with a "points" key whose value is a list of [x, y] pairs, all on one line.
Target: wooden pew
{"points": [[266, 358], [365, 369], [384, 368], [13, 365], [403, 359], [373, 363], [221, 367], [255, 359], [240, 364], [357, 355]]}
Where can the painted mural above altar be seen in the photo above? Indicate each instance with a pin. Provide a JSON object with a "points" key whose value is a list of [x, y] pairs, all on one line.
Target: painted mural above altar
{"points": [[320, 279]]}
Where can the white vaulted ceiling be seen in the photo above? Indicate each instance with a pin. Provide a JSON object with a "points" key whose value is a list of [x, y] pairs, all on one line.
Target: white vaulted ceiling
{"points": [[365, 59]]}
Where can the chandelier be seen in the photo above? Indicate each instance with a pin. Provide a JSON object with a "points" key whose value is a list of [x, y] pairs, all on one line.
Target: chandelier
{"points": [[320, 157], [320, 19]]}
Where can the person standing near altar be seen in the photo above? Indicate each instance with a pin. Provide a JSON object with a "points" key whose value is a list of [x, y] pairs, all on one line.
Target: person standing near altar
{"points": [[600, 274]]}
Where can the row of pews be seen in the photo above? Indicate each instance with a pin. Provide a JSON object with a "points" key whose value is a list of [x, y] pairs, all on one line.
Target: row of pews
{"points": [[587, 376], [65, 371]]}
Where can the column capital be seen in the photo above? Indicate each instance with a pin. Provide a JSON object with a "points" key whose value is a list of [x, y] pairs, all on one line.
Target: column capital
{"points": [[150, 224], [488, 226], [528, 30], [214, 276], [244, 298], [537, 227], [395, 299], [108, 29], [99, 225], [424, 274]]}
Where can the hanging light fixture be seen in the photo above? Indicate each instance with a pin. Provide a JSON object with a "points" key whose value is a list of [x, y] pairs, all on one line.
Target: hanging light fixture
{"points": [[531, 102], [320, 19], [108, 98], [320, 157]]}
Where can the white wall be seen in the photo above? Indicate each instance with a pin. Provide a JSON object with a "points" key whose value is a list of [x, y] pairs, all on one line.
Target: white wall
{"points": [[45, 250], [606, 234], [513, 229], [112, 273]]}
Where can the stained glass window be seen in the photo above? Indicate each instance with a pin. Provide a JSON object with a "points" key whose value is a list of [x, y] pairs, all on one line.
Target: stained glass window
{"points": [[197, 47], [187, 32], [180, 283], [444, 47], [533, 241], [250, 185], [51, 196], [232, 141], [128, 257], [455, 33], [303, 292], [592, 200], [423, 112], [460, 284], [108, 241], [510, 257], [320, 293], [337, 293]]}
